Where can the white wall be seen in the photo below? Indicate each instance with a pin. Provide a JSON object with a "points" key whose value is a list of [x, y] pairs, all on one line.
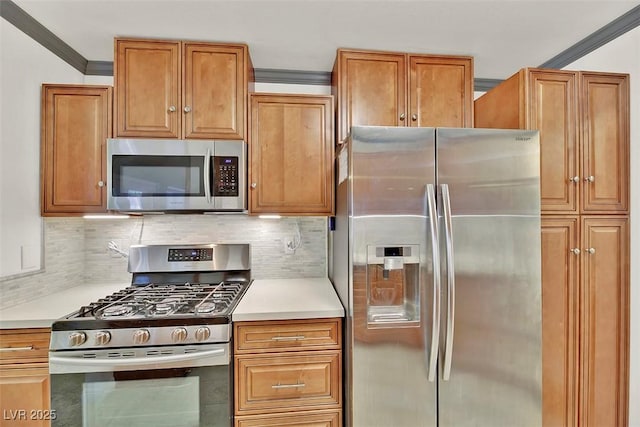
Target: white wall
{"points": [[623, 55], [25, 65]]}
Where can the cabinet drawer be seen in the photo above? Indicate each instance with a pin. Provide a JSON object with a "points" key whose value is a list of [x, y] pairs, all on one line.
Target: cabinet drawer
{"points": [[22, 346], [293, 419], [270, 336], [305, 380]]}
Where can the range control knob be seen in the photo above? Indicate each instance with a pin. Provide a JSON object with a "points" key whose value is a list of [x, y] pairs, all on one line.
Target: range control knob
{"points": [[141, 336], [179, 335], [202, 333], [102, 337], [77, 338]]}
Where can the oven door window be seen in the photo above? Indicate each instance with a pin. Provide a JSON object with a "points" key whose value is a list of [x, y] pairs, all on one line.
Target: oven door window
{"points": [[158, 176], [181, 397]]}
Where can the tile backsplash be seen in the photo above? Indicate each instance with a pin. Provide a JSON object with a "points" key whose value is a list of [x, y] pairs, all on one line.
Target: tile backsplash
{"points": [[77, 249]]}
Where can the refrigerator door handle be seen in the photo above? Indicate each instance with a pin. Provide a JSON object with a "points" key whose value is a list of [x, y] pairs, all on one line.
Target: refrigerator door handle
{"points": [[451, 283], [435, 326]]}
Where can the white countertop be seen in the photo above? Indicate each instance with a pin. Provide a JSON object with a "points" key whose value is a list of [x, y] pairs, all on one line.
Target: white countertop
{"points": [[273, 299], [41, 312], [282, 299]]}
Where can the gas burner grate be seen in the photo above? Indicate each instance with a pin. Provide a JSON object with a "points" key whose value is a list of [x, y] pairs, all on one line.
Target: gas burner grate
{"points": [[166, 300]]}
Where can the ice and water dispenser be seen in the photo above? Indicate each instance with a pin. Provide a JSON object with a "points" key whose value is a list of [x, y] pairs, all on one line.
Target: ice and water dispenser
{"points": [[393, 297]]}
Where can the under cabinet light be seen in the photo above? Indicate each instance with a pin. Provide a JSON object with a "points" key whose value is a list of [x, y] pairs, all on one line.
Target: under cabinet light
{"points": [[269, 216], [106, 216]]}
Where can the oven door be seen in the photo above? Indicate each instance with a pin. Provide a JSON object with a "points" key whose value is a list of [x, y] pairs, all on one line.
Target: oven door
{"points": [[177, 386]]}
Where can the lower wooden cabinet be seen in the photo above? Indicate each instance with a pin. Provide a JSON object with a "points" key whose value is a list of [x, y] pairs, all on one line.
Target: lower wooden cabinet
{"points": [[24, 378], [288, 373], [585, 320], [293, 419]]}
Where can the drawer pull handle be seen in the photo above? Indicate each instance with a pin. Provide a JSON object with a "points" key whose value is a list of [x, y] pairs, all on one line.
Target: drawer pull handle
{"points": [[291, 338], [17, 348], [297, 385]]}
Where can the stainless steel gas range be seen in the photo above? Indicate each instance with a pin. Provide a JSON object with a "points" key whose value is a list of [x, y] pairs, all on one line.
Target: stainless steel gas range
{"points": [[157, 353]]}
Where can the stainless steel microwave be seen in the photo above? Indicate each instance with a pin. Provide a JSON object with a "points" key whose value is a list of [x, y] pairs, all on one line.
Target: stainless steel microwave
{"points": [[158, 175]]}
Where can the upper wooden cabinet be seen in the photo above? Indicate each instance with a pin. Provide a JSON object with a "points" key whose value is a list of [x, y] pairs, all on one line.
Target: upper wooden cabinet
{"points": [[583, 118], [174, 89], [399, 89], [76, 122], [291, 154]]}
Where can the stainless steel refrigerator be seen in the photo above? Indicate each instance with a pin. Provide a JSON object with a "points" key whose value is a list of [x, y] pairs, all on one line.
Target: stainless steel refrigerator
{"points": [[436, 258]]}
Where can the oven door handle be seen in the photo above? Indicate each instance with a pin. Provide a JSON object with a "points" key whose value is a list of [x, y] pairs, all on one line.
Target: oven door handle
{"points": [[74, 364]]}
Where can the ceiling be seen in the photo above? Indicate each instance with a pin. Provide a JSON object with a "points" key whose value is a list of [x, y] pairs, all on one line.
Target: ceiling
{"points": [[502, 35]]}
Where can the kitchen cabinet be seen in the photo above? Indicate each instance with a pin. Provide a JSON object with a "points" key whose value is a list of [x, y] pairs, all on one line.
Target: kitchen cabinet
{"points": [[291, 154], [605, 321], [583, 118], [24, 377], [401, 89], [560, 321], [180, 89], [585, 320], [76, 122], [288, 372]]}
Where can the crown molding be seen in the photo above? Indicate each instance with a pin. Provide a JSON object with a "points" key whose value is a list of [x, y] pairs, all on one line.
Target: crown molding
{"points": [[38, 32], [28, 25], [483, 85], [599, 38]]}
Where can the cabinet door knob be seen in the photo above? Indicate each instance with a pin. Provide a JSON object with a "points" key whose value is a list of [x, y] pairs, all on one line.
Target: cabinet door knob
{"points": [[172, 109], [402, 116], [100, 183], [254, 185], [187, 109], [414, 117], [574, 179], [591, 251], [590, 178], [576, 251]]}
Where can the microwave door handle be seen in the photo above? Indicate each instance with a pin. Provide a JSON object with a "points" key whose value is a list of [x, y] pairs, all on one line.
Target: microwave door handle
{"points": [[207, 175], [451, 283], [435, 322]]}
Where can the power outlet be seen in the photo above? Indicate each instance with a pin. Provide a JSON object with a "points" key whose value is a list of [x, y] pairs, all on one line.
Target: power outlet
{"points": [[288, 247]]}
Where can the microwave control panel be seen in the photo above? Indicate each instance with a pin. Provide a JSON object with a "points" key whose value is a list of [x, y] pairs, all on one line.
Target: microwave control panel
{"points": [[225, 181]]}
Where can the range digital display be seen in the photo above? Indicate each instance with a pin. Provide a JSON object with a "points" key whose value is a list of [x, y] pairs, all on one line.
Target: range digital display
{"points": [[181, 255]]}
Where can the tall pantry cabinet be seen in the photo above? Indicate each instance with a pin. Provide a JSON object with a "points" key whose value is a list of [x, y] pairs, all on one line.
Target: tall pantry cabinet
{"points": [[583, 118]]}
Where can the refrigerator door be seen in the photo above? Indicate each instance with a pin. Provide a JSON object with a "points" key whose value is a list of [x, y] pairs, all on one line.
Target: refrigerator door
{"points": [[489, 204], [393, 220]]}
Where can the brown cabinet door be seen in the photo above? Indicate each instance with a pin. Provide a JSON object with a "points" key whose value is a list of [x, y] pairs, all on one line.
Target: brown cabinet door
{"points": [[371, 90], [24, 397], [288, 382], [560, 263], [215, 87], [605, 115], [553, 110], [605, 321], [147, 88], [440, 91], [291, 161], [76, 121], [293, 419]]}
